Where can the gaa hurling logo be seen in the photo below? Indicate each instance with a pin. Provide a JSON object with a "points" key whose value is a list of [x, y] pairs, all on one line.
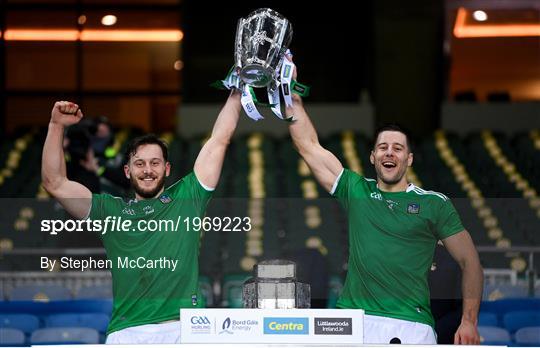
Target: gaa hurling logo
{"points": [[200, 320], [128, 211], [200, 325], [376, 195]]}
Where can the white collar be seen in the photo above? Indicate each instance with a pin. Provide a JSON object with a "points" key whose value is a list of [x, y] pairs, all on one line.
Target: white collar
{"points": [[409, 188]]}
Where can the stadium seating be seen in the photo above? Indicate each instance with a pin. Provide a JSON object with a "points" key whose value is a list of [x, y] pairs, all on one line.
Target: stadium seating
{"points": [[205, 285], [487, 319], [53, 307], [290, 221], [97, 321], [501, 307], [26, 323], [42, 293], [501, 291], [528, 336], [334, 289], [222, 253], [65, 335], [490, 335], [515, 320], [232, 289], [93, 292], [12, 338]]}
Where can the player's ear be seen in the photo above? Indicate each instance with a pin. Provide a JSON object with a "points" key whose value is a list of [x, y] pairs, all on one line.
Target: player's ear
{"points": [[126, 171], [372, 157], [410, 159], [167, 169]]}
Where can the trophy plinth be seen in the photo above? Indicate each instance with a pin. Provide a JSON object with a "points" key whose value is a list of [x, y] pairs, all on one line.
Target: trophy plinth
{"points": [[275, 286]]}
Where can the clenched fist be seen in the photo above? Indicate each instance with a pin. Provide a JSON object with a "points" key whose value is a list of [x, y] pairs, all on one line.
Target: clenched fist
{"points": [[66, 113]]}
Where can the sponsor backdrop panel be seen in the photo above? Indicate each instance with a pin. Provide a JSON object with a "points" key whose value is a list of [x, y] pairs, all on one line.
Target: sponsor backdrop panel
{"points": [[225, 325]]}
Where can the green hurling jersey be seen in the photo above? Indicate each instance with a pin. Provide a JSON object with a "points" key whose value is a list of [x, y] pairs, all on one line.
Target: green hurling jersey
{"points": [[392, 238], [148, 287]]}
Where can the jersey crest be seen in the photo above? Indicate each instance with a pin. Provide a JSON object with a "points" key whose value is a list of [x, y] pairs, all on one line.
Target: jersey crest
{"points": [[165, 198], [413, 208]]}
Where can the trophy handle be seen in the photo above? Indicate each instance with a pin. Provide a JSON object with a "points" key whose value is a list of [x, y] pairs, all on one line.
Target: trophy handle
{"points": [[238, 42], [284, 24]]}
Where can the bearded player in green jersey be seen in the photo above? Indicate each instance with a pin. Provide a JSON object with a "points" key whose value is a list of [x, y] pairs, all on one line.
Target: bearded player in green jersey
{"points": [[154, 273], [394, 227]]}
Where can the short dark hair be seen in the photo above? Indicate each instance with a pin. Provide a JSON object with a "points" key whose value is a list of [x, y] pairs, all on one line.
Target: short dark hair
{"points": [[393, 127], [145, 140]]}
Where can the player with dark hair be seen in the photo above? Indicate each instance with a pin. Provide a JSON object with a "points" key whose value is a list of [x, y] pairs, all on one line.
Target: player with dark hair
{"points": [[148, 294], [394, 227]]}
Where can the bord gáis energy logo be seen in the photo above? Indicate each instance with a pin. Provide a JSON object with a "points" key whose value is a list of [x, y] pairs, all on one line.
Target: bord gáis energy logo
{"points": [[286, 326], [225, 327], [231, 326]]}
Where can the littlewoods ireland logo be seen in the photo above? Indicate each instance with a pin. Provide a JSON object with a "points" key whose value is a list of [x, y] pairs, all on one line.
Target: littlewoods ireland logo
{"points": [[333, 326], [286, 326]]}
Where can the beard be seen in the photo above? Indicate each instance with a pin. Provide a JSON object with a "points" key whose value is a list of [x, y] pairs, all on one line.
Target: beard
{"points": [[389, 180], [147, 193]]}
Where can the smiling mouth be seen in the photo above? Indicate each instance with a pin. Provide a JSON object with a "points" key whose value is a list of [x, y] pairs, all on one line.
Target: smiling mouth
{"points": [[389, 165]]}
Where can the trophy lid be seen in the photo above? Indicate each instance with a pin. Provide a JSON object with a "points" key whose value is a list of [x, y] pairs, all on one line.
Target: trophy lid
{"points": [[267, 10], [276, 269]]}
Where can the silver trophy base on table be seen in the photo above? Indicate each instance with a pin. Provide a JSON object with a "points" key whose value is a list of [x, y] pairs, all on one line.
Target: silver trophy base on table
{"points": [[274, 285]]}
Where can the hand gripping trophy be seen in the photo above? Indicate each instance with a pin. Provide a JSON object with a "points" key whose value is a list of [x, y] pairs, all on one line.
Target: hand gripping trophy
{"points": [[262, 41]]}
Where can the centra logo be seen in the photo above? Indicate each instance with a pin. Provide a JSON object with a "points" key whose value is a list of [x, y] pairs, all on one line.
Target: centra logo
{"points": [[286, 326]]}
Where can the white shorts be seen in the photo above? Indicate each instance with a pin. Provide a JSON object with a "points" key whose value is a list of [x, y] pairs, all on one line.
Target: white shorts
{"points": [[147, 334], [381, 330]]}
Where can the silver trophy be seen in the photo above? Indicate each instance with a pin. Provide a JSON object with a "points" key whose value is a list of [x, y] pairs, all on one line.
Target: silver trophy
{"points": [[261, 41], [274, 285]]}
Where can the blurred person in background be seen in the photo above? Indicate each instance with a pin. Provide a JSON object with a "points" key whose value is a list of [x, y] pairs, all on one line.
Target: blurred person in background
{"points": [[110, 162], [82, 165], [102, 136]]}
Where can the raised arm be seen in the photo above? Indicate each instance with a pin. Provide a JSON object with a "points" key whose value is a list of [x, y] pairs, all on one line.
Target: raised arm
{"points": [[74, 197], [324, 165], [210, 160], [461, 247]]}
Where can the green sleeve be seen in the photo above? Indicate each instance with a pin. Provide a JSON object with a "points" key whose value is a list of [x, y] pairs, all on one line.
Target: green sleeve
{"points": [[448, 221], [97, 210], [189, 187], [345, 184]]}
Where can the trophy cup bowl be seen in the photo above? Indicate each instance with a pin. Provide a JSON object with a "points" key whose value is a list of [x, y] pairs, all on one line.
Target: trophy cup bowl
{"points": [[261, 41]]}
